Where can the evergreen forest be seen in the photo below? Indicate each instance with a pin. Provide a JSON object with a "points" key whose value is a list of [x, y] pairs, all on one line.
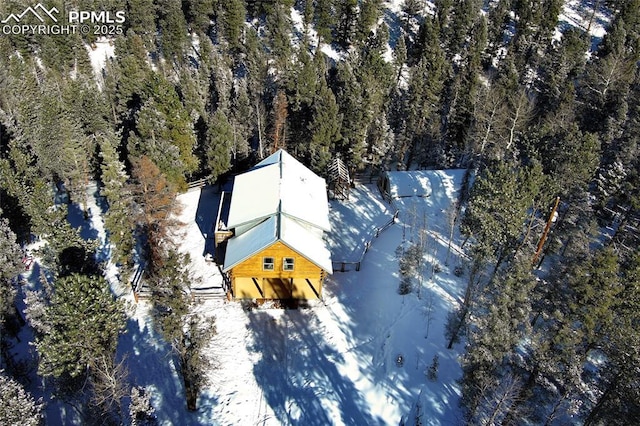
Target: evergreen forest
{"points": [[543, 116]]}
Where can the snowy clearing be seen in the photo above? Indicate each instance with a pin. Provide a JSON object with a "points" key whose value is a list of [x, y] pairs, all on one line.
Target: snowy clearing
{"points": [[357, 357]]}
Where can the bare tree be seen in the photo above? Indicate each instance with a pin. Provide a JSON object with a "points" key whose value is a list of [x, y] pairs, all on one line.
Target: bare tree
{"points": [[498, 400], [110, 386]]}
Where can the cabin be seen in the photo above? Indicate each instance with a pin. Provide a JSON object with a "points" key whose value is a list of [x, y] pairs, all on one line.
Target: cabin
{"points": [[277, 218]]}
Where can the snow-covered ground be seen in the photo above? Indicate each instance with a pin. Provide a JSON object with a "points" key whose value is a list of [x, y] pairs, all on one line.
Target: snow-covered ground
{"points": [[100, 52], [358, 357], [580, 14], [335, 361]]}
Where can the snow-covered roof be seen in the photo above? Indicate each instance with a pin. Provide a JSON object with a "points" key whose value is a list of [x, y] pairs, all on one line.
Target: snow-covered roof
{"points": [[306, 241], [242, 247], [279, 184], [279, 200], [410, 183], [302, 239]]}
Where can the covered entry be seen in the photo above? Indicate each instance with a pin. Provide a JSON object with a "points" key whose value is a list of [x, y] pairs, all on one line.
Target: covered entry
{"points": [[277, 288]]}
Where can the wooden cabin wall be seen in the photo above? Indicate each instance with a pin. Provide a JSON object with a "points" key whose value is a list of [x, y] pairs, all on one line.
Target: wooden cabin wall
{"points": [[252, 267]]}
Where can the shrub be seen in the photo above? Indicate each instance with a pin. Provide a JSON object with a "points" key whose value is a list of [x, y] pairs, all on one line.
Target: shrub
{"points": [[405, 286]]}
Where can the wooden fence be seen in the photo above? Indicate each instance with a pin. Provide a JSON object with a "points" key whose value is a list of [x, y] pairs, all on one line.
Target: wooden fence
{"points": [[137, 284], [344, 265], [197, 184]]}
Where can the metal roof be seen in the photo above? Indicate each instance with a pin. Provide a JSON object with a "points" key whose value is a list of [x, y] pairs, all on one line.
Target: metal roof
{"points": [[279, 200], [302, 239], [279, 184]]}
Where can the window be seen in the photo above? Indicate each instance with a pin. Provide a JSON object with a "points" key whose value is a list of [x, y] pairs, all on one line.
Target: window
{"points": [[267, 263], [287, 264]]}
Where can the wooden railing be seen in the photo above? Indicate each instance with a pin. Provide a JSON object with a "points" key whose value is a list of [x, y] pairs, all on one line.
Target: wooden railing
{"points": [[136, 281], [344, 265], [196, 184], [226, 282]]}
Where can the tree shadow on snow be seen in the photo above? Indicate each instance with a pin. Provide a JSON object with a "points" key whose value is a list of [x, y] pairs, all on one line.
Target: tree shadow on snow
{"points": [[297, 372], [151, 365], [367, 210], [77, 219]]}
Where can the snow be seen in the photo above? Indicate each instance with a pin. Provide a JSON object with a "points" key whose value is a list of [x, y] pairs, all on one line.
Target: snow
{"points": [[307, 241], [331, 52], [410, 184], [578, 14], [99, 52], [331, 362], [199, 210], [298, 39]]}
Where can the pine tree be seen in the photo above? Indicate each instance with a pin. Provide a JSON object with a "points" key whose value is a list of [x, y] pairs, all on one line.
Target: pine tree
{"points": [[364, 83], [141, 16], [572, 158], [325, 20], [501, 321], [233, 16], [351, 101], [346, 18], [218, 145], [462, 94], [173, 30], [155, 197], [498, 19], [497, 210], [187, 334], [594, 290], [257, 76], [118, 195], [577, 317], [559, 68], [400, 56], [84, 322], [618, 398], [129, 77], [279, 121], [17, 407], [305, 82], [463, 14], [370, 11], [278, 38], [199, 14], [422, 107], [10, 267], [164, 133], [324, 130], [241, 121], [152, 139]]}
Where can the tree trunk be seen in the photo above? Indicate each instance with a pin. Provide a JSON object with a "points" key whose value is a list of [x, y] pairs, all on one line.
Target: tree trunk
{"points": [[260, 146], [596, 410], [461, 321], [466, 303]]}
